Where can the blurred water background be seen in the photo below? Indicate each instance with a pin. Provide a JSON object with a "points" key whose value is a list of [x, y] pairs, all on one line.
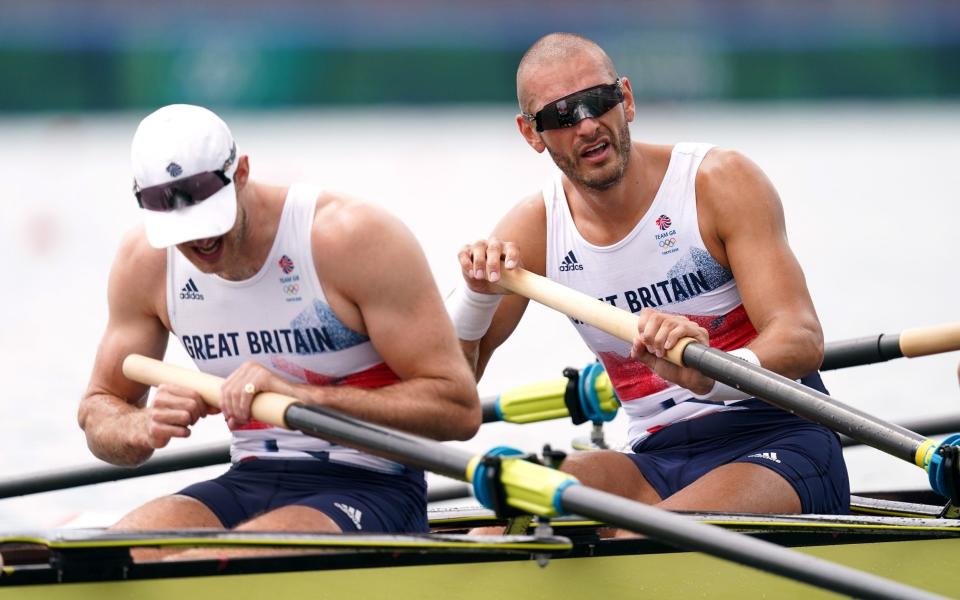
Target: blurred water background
{"points": [[852, 112]]}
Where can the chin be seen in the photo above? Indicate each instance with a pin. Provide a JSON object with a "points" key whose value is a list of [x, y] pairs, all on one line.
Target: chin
{"points": [[601, 179]]}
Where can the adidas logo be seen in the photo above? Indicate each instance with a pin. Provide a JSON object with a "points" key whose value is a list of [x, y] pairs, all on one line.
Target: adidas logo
{"points": [[351, 512], [190, 291], [767, 455], [570, 263]]}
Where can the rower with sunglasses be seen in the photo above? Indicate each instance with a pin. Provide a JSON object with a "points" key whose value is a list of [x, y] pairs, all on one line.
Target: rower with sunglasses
{"points": [[277, 289], [691, 238]]}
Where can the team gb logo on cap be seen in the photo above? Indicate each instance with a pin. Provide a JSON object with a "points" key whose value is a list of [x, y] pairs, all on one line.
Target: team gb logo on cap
{"points": [[174, 169]]}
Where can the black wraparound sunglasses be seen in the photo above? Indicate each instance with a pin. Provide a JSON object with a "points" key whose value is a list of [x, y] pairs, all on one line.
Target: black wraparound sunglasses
{"points": [[585, 104]]}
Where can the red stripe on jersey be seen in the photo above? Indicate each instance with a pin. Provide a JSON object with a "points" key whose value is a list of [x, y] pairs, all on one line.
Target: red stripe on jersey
{"points": [[633, 380], [376, 376]]}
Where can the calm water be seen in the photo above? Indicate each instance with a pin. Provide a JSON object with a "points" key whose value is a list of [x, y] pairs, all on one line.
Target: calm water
{"points": [[870, 195]]}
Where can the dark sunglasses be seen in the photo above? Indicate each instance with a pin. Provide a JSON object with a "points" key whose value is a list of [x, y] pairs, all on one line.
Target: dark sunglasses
{"points": [[182, 192], [585, 104]]}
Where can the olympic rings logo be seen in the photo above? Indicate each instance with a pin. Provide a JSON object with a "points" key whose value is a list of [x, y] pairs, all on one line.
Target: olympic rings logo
{"points": [[291, 289], [668, 243]]}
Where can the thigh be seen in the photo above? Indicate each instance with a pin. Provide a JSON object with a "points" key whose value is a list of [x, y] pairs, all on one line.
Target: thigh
{"points": [[611, 472], [366, 508], [737, 487], [810, 458], [169, 512], [292, 518]]}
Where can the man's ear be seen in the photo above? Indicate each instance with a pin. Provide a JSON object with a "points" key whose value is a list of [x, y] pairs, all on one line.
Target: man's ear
{"points": [[629, 107], [242, 174], [529, 132]]}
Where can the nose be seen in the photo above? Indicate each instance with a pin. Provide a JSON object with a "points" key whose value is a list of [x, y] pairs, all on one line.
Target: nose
{"points": [[587, 127]]}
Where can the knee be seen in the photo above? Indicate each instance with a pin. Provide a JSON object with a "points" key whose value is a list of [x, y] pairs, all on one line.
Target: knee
{"points": [[585, 466]]}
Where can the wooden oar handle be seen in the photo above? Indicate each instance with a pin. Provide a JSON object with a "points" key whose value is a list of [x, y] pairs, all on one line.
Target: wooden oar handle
{"points": [[603, 316], [921, 341], [267, 407]]}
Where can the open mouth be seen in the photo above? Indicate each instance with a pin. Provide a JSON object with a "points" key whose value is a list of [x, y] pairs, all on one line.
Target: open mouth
{"points": [[595, 151], [208, 249]]}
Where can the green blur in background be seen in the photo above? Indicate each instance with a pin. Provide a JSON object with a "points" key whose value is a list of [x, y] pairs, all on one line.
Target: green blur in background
{"points": [[59, 55]]}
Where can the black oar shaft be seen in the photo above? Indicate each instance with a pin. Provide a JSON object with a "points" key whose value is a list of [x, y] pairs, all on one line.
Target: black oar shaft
{"points": [[690, 535], [488, 407], [861, 351], [806, 402], [91, 474], [411, 449]]}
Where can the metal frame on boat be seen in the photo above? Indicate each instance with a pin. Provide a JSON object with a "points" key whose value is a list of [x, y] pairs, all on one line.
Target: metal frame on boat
{"points": [[573, 559]]}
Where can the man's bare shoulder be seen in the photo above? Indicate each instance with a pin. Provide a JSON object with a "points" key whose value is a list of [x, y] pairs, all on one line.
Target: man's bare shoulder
{"points": [[732, 192], [343, 222], [138, 275], [528, 216], [136, 254], [723, 167]]}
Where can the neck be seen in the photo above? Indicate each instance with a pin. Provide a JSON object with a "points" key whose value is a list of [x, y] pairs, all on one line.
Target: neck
{"points": [[606, 216], [258, 219]]}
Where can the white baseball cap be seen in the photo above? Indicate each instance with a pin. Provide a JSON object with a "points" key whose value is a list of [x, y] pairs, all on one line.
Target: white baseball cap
{"points": [[171, 145]]}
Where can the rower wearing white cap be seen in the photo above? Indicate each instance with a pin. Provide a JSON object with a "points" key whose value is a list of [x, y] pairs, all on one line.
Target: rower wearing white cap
{"points": [[278, 289]]}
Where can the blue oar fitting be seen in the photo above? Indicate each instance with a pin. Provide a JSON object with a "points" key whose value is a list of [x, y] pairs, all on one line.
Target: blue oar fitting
{"points": [[487, 486], [511, 483], [589, 399], [944, 469]]}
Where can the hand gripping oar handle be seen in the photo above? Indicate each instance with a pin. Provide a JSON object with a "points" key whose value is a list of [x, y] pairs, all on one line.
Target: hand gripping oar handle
{"points": [[534, 488], [911, 343], [766, 385], [267, 407]]}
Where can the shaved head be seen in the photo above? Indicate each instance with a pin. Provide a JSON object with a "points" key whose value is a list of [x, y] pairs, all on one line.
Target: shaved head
{"points": [[556, 49]]}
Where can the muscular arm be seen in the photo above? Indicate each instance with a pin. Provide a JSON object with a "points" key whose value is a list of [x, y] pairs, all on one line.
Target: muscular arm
{"points": [[112, 410], [373, 263], [525, 227], [743, 225]]}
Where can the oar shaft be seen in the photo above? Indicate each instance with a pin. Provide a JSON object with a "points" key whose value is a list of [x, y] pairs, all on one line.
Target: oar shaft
{"points": [[687, 534], [860, 351], [766, 385], [397, 445], [488, 408], [91, 474], [806, 402], [914, 342]]}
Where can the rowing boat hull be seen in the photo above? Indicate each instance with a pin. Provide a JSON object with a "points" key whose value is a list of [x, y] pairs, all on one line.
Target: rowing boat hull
{"points": [[601, 568]]}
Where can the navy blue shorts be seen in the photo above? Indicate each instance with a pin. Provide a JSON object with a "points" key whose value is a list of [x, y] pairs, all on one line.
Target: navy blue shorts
{"points": [[358, 500], [807, 455]]}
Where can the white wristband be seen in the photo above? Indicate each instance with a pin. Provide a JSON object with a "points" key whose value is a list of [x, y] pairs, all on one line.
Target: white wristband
{"points": [[721, 392], [471, 312]]}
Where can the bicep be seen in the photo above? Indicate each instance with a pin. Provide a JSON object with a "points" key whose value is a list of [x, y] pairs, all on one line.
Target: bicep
{"points": [[132, 327], [402, 310], [753, 231]]}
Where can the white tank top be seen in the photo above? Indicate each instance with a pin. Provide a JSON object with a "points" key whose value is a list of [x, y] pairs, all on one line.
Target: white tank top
{"points": [[279, 318], [662, 263]]}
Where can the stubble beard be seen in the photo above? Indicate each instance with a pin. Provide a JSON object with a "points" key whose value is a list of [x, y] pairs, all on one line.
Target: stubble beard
{"points": [[602, 179]]}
